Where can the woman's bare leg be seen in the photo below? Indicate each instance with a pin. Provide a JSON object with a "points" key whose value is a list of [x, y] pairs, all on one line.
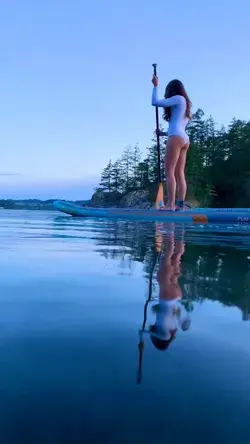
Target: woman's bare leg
{"points": [[173, 149], [180, 173]]}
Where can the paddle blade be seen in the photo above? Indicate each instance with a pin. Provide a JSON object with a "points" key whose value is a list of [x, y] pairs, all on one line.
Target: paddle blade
{"points": [[159, 198], [158, 238]]}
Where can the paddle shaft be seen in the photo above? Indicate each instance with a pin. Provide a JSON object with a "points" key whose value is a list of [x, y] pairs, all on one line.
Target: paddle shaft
{"points": [[145, 312], [157, 135]]}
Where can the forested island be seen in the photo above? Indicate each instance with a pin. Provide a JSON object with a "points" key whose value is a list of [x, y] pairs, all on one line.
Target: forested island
{"points": [[218, 171], [218, 167], [32, 204]]}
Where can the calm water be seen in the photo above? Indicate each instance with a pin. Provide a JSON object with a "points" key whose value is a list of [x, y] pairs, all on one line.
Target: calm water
{"points": [[115, 332]]}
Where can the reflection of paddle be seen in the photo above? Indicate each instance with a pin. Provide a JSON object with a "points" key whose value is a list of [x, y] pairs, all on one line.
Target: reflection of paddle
{"points": [[160, 196], [158, 247], [141, 341]]}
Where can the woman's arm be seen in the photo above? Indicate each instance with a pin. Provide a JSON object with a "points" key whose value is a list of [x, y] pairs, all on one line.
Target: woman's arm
{"points": [[164, 103]]}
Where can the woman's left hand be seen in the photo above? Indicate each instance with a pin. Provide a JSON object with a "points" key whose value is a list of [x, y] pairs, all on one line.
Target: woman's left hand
{"points": [[155, 80], [158, 132]]}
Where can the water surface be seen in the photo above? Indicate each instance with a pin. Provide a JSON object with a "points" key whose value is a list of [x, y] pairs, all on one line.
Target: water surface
{"points": [[117, 332]]}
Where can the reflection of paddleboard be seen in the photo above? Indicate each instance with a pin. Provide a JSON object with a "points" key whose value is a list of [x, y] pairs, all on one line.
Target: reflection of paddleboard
{"points": [[201, 215]]}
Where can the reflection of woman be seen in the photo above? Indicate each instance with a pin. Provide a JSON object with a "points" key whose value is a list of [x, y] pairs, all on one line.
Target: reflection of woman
{"points": [[170, 314], [170, 311]]}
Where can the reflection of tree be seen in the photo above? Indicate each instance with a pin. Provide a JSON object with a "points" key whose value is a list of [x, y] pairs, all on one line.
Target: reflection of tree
{"points": [[127, 239], [222, 276], [208, 271]]}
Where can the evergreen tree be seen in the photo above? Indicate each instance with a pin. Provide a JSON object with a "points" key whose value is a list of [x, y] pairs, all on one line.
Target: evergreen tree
{"points": [[116, 177], [105, 182], [142, 174], [153, 160], [135, 160], [217, 168], [127, 168]]}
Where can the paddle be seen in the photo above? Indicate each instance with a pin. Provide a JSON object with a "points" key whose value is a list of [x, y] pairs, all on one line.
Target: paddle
{"points": [[141, 344], [157, 255], [160, 196]]}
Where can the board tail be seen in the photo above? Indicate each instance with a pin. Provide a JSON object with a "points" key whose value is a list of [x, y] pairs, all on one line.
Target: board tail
{"points": [[159, 198]]}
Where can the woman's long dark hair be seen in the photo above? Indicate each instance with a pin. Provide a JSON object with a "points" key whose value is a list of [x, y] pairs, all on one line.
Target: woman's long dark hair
{"points": [[176, 88]]}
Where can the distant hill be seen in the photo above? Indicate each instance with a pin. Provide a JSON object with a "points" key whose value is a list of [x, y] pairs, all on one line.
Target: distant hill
{"points": [[33, 204]]}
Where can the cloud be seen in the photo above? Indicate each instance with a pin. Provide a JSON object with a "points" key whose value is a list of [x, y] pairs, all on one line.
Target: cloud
{"points": [[11, 174]]}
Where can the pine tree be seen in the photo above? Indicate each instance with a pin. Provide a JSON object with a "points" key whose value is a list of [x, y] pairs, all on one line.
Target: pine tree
{"points": [[116, 177], [127, 168], [135, 160], [105, 182], [153, 160], [142, 174], [217, 168]]}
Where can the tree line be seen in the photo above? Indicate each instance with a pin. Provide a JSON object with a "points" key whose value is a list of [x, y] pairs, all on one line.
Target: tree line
{"points": [[217, 167]]}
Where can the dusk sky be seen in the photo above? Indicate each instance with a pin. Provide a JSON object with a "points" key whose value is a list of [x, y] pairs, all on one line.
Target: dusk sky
{"points": [[76, 81]]}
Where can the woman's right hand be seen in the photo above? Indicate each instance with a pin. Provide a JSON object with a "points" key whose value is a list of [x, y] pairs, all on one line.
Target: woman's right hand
{"points": [[155, 80]]}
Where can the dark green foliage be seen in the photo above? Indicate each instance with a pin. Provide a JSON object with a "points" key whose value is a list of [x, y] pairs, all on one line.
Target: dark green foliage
{"points": [[217, 167], [105, 183]]}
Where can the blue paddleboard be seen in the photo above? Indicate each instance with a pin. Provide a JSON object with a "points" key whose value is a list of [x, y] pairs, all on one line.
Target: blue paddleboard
{"points": [[195, 215]]}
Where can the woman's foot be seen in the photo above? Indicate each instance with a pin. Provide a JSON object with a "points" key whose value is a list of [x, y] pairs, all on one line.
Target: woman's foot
{"points": [[179, 206], [166, 208], [182, 206]]}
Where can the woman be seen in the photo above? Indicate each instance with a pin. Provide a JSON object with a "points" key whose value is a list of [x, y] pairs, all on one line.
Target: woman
{"points": [[177, 112]]}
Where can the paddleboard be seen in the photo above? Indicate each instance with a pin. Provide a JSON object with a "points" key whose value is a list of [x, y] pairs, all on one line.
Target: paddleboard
{"points": [[195, 215]]}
